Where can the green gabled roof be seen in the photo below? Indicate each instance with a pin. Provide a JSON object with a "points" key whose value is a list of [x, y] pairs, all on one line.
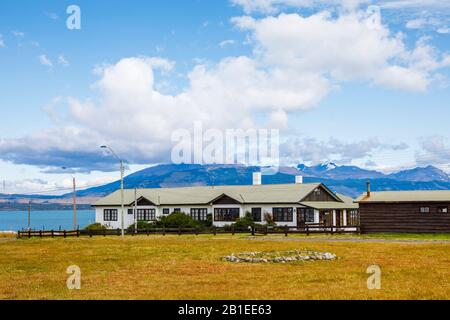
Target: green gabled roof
{"points": [[280, 193], [406, 196]]}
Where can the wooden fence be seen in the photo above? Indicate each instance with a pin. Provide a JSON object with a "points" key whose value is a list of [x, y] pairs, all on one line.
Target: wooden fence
{"points": [[308, 229]]}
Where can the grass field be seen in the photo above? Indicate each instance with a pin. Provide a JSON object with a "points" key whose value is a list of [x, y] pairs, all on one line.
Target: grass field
{"points": [[190, 267]]}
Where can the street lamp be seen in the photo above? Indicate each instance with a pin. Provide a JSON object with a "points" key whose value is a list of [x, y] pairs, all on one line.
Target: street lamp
{"points": [[74, 185], [121, 187]]}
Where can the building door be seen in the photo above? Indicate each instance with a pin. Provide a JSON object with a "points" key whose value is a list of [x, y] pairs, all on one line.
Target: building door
{"points": [[326, 218], [301, 218], [339, 218]]}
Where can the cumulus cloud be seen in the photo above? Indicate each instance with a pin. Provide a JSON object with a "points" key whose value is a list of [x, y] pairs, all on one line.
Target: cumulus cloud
{"points": [[437, 151], [2, 42], [315, 151], [363, 48], [291, 70]]}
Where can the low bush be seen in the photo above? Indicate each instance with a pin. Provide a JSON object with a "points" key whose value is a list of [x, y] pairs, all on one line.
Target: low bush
{"points": [[95, 226]]}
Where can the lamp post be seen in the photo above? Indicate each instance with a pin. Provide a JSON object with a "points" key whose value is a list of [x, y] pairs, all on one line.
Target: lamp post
{"points": [[74, 186], [121, 188]]}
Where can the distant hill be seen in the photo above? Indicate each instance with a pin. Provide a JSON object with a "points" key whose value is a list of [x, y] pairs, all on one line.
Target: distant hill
{"points": [[348, 180]]}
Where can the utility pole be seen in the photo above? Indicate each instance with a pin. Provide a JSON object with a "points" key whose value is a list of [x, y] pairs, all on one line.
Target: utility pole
{"points": [[122, 198], [29, 215], [135, 210], [74, 204], [122, 172], [74, 190]]}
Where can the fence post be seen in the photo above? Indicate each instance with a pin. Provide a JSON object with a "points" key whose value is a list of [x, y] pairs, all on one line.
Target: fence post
{"points": [[179, 231], [90, 233], [196, 231], [164, 231], [65, 235], [214, 230], [307, 230], [232, 230], [148, 231], [332, 230], [253, 230], [286, 229], [118, 232], [40, 233]]}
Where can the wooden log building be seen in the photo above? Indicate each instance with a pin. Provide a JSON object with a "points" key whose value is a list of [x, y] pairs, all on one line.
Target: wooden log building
{"points": [[405, 211]]}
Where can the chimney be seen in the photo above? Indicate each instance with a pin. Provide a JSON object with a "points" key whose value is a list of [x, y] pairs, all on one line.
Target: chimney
{"points": [[257, 178], [368, 188], [298, 179]]}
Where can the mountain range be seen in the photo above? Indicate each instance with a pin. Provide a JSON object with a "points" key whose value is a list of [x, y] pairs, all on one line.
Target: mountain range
{"points": [[348, 180]]}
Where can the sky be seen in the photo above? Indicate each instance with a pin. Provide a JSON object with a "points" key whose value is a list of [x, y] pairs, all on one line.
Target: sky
{"points": [[356, 82]]}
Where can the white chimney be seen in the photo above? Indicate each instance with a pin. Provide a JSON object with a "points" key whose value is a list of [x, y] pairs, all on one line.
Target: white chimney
{"points": [[298, 180], [257, 178]]}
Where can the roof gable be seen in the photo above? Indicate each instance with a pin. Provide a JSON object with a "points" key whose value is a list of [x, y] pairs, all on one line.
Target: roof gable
{"points": [[321, 193]]}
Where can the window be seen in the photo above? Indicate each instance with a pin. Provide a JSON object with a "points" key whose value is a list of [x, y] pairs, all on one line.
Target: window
{"points": [[177, 210], [442, 210], [110, 215], [352, 217], [305, 215], [226, 214], [424, 209], [146, 214], [283, 214], [256, 214], [130, 211], [199, 214], [166, 211]]}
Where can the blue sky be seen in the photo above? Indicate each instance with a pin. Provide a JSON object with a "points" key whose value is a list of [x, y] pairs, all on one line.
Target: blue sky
{"points": [[338, 92]]}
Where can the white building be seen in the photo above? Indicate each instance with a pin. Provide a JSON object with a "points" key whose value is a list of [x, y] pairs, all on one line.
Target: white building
{"points": [[288, 204]]}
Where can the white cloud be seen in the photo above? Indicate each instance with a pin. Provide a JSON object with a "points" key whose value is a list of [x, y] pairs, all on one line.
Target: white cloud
{"points": [[361, 51], [401, 4], [2, 42], [226, 43], [295, 63], [443, 30], [45, 61], [63, 61]]}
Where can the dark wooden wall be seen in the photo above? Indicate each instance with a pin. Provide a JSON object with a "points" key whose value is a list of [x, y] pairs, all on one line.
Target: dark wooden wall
{"points": [[403, 217], [323, 195]]}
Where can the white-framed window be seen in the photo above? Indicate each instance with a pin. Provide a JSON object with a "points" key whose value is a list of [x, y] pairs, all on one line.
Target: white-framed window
{"points": [[199, 214], [442, 210], [146, 214], [283, 214], [424, 209], [110, 215]]}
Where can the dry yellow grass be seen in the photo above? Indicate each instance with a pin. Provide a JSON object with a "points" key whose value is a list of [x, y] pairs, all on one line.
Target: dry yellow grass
{"points": [[190, 267]]}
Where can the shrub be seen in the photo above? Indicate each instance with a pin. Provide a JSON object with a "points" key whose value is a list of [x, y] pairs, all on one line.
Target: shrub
{"points": [[176, 220], [95, 226], [245, 222], [141, 225], [269, 219]]}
